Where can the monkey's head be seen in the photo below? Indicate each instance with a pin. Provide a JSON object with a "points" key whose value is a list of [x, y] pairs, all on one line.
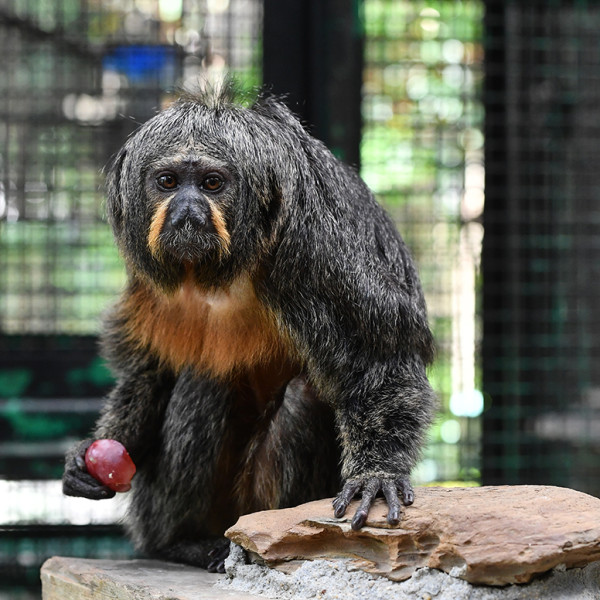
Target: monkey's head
{"points": [[197, 190]]}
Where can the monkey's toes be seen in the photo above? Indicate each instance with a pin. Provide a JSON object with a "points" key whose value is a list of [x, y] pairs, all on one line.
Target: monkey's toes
{"points": [[217, 558]]}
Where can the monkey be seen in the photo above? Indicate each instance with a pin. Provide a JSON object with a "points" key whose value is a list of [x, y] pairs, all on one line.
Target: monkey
{"points": [[271, 344]]}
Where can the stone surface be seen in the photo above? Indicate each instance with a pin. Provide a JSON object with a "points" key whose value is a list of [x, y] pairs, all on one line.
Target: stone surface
{"points": [[489, 535], [83, 579], [337, 580]]}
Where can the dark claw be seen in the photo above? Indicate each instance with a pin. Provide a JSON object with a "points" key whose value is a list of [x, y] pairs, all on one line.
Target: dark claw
{"points": [[359, 519], [218, 555], [370, 489]]}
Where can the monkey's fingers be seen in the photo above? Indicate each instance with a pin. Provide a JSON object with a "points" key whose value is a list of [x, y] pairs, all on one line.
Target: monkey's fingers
{"points": [[341, 501], [370, 489], [78, 483], [390, 492], [405, 489]]}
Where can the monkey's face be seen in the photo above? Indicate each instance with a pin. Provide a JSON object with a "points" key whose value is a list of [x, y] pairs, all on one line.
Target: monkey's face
{"points": [[173, 209], [199, 190], [189, 197]]}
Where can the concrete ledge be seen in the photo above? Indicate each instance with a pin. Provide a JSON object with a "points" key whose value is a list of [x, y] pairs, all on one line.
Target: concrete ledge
{"points": [[83, 579]]}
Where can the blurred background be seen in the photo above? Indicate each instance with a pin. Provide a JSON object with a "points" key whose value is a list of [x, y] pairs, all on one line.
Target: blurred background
{"points": [[476, 123]]}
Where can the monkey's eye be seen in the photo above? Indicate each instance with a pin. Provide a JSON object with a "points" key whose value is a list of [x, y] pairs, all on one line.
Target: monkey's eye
{"points": [[212, 183], [167, 181]]}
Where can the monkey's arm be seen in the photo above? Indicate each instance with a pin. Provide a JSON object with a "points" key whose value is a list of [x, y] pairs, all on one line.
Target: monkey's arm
{"points": [[382, 434], [132, 415], [133, 412], [372, 370], [360, 317], [385, 403]]}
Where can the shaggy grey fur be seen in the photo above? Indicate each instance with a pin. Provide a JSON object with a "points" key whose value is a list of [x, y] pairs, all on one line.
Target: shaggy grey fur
{"points": [[325, 262]]}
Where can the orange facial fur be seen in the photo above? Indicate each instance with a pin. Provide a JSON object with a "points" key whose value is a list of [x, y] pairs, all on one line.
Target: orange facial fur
{"points": [[158, 220], [218, 220], [218, 332]]}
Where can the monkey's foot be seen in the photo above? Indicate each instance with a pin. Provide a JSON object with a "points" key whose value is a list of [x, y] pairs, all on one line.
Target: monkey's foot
{"points": [[209, 554], [393, 489], [218, 555]]}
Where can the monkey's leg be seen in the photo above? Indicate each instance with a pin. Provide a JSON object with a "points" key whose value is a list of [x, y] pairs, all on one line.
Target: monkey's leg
{"points": [[310, 450], [172, 513], [296, 458], [289, 455]]}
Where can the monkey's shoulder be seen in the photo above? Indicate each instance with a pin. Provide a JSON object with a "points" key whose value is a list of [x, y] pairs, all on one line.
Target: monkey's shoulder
{"points": [[216, 331]]}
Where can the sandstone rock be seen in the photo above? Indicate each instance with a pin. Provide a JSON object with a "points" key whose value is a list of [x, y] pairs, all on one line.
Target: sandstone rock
{"points": [[488, 535]]}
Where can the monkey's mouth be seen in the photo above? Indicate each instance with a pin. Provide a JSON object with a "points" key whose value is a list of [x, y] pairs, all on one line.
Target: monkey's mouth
{"points": [[187, 244]]}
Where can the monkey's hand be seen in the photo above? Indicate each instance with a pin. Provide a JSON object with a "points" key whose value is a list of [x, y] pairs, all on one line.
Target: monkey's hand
{"points": [[76, 479], [393, 489]]}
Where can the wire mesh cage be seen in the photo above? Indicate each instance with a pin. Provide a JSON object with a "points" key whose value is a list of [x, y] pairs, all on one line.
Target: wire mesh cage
{"points": [[76, 79], [540, 267], [422, 153]]}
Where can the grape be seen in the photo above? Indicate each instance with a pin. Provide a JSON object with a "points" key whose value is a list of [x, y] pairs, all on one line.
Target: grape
{"points": [[109, 462]]}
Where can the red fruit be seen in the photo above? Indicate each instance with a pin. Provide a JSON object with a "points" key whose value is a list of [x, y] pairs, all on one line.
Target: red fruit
{"points": [[109, 462]]}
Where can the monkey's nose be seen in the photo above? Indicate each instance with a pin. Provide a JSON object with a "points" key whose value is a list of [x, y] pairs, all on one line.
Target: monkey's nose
{"points": [[188, 214]]}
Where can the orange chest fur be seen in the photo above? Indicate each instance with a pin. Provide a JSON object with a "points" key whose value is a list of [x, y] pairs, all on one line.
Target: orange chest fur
{"points": [[218, 332]]}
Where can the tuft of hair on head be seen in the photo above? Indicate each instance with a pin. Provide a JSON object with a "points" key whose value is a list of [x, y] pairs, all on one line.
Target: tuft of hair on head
{"points": [[218, 93]]}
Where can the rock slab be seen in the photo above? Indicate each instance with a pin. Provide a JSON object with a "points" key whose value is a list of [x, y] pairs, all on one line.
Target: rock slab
{"points": [[66, 578], [489, 535]]}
